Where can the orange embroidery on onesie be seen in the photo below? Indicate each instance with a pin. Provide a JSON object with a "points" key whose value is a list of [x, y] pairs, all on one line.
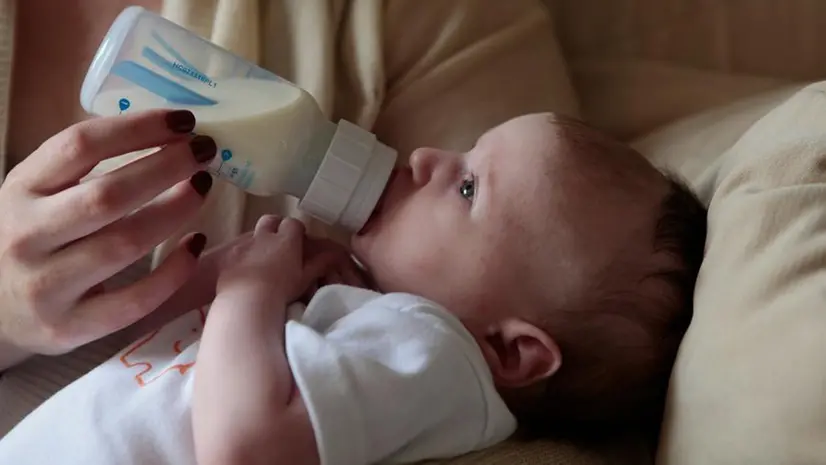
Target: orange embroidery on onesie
{"points": [[158, 342]]}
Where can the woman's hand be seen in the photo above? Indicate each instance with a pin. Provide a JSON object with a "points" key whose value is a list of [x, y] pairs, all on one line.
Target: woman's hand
{"points": [[61, 237]]}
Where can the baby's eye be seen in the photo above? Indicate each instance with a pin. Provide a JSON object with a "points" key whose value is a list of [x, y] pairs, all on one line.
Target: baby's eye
{"points": [[467, 188]]}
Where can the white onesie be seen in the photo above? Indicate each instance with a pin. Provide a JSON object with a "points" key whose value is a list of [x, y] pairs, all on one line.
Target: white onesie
{"points": [[386, 378]]}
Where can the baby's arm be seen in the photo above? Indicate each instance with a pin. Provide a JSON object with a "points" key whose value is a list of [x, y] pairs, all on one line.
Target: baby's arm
{"points": [[247, 409]]}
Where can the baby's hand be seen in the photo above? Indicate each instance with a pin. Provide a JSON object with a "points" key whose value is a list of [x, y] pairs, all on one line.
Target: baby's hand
{"points": [[272, 262]]}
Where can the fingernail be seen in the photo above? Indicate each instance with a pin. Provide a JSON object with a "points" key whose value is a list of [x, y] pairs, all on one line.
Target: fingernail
{"points": [[196, 245], [180, 121], [203, 147], [201, 182]]}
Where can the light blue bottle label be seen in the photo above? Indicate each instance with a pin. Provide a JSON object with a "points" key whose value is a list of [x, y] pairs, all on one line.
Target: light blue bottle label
{"points": [[226, 166], [166, 88]]}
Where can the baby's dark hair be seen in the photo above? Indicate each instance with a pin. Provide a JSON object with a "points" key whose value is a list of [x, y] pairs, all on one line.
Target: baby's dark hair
{"points": [[618, 349]]}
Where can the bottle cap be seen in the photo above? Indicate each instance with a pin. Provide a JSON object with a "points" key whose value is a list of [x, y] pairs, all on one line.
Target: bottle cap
{"points": [[350, 179]]}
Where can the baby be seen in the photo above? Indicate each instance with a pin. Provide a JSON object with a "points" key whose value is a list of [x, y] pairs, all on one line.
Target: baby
{"points": [[544, 278]]}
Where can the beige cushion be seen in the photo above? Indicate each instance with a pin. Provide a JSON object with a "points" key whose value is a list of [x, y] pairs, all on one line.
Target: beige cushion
{"points": [[749, 386], [631, 97], [691, 146]]}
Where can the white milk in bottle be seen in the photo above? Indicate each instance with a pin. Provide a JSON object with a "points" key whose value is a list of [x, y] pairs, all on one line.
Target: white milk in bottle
{"points": [[272, 138]]}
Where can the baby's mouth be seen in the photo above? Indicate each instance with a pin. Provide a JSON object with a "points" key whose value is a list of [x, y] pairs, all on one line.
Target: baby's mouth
{"points": [[379, 205]]}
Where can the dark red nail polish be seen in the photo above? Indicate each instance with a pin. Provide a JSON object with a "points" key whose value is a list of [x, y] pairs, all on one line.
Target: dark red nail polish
{"points": [[196, 245], [201, 182], [180, 121], [203, 148]]}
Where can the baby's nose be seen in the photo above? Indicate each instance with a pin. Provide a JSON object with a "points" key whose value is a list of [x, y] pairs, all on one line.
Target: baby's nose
{"points": [[423, 162]]}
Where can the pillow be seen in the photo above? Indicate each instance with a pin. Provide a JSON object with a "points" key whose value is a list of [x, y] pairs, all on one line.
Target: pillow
{"points": [[691, 146], [629, 97], [749, 385]]}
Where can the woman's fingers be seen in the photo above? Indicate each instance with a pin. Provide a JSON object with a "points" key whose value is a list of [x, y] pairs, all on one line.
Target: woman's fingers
{"points": [[199, 289], [104, 253], [87, 207], [71, 154], [106, 313]]}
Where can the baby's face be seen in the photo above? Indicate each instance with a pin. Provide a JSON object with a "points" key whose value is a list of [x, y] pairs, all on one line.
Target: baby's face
{"points": [[480, 231]]}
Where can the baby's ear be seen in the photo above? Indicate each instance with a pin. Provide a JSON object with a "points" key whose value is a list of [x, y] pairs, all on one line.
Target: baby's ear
{"points": [[520, 354]]}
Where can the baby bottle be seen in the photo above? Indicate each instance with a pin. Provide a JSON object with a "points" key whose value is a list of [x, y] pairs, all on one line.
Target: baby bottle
{"points": [[272, 138]]}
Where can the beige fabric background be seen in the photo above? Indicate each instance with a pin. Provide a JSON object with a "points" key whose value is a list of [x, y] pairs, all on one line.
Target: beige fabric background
{"points": [[638, 64]]}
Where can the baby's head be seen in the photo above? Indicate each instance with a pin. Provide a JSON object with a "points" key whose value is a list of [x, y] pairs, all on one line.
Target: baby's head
{"points": [[570, 258]]}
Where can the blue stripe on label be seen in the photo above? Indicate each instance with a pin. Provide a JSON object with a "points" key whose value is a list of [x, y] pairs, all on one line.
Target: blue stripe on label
{"points": [[164, 64], [177, 69], [176, 55], [159, 85]]}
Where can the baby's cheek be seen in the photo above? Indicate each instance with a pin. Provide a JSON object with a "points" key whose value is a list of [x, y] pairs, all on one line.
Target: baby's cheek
{"points": [[434, 269]]}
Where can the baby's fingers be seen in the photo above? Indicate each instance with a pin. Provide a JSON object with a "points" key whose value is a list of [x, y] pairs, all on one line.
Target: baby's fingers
{"points": [[291, 228], [351, 275], [318, 267], [267, 224]]}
